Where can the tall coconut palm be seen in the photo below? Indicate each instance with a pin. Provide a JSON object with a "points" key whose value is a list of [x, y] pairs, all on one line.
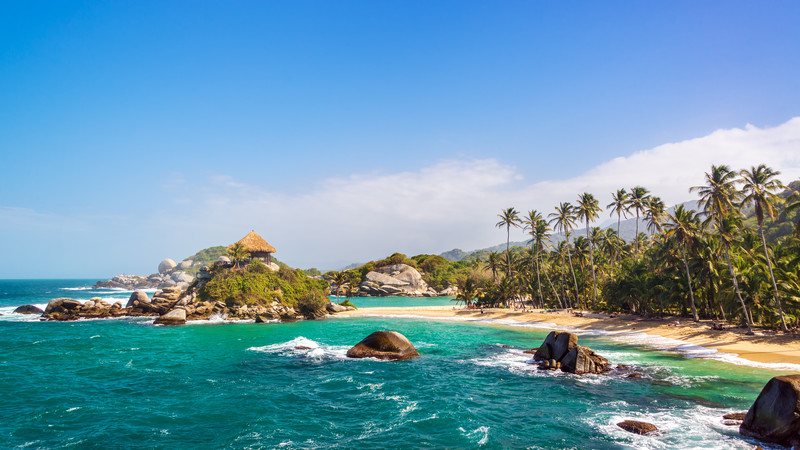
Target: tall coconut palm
{"points": [[654, 214], [589, 210], [718, 198], [339, 279], [759, 186], [638, 202], [509, 217], [619, 206], [563, 220], [683, 227], [531, 223]]}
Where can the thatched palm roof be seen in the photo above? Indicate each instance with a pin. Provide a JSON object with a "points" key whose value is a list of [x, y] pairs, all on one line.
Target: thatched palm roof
{"points": [[255, 243]]}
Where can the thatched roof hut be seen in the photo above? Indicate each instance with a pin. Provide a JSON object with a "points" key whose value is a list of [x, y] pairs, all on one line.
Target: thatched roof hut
{"points": [[257, 246]]}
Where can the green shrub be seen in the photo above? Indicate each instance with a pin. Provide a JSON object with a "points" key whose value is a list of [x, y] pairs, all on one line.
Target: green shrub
{"points": [[258, 285]]}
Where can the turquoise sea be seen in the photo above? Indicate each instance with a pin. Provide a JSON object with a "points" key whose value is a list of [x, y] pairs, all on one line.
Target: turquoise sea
{"points": [[125, 383]]}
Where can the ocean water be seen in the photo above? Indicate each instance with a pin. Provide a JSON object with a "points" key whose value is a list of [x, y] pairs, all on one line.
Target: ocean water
{"points": [[125, 383]]}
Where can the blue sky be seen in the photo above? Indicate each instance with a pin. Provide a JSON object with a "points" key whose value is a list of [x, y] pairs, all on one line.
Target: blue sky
{"points": [[340, 131]]}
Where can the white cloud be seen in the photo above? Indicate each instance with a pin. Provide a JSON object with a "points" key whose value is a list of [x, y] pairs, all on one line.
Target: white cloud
{"points": [[455, 203], [341, 220]]}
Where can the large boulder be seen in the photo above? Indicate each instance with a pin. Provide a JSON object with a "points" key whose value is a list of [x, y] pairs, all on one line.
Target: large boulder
{"points": [[581, 360], [775, 415], [335, 308], [166, 265], [389, 345], [61, 305], [634, 426], [137, 298], [185, 264], [396, 279], [181, 277], [28, 309], [556, 345], [175, 317]]}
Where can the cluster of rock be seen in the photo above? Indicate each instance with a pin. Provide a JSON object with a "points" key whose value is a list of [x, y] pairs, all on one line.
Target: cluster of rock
{"points": [[69, 309], [169, 274], [560, 350], [397, 280], [173, 306]]}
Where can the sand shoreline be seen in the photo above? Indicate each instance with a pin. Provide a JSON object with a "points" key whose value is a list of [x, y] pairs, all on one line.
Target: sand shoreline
{"points": [[762, 348]]}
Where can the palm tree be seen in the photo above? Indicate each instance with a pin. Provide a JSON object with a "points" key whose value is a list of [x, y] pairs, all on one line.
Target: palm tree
{"points": [[563, 220], [759, 189], [493, 262], [619, 205], [683, 227], [509, 217], [531, 222], [654, 214], [238, 252], [468, 291], [353, 282], [339, 279], [588, 210], [638, 202], [718, 198]]}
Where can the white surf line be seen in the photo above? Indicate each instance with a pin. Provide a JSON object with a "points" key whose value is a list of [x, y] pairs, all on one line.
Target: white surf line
{"points": [[654, 342]]}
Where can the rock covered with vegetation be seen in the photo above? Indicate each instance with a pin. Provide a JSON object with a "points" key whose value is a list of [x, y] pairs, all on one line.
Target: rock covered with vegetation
{"points": [[250, 292], [388, 345]]}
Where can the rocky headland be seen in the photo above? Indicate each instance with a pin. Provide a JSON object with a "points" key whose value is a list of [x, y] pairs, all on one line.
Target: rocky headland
{"points": [[259, 295]]}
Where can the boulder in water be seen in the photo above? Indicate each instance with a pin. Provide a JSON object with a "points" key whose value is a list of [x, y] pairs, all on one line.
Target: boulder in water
{"points": [[634, 426], [175, 317], [137, 298], [581, 360], [556, 345], [775, 415], [389, 345], [28, 309]]}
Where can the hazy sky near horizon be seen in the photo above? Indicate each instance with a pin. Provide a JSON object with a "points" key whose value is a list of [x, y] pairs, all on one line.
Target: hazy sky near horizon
{"points": [[344, 131]]}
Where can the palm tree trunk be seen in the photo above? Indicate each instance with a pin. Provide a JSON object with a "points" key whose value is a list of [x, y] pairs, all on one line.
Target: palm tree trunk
{"points": [[539, 280], [547, 275], [689, 280], [574, 278], [591, 262], [637, 231], [508, 242], [748, 319], [772, 277], [617, 243]]}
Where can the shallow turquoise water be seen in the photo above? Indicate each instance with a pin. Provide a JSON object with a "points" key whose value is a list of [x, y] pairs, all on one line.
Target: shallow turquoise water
{"points": [[127, 383]]}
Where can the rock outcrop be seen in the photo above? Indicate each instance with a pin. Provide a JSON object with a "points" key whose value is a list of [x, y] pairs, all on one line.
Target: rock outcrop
{"points": [[634, 426], [560, 350], [28, 309], [389, 345], [775, 415], [395, 279]]}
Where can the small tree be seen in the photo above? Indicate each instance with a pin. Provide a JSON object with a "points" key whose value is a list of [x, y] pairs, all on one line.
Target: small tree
{"points": [[238, 253]]}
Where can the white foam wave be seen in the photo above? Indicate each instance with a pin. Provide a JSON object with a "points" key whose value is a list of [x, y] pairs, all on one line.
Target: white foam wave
{"points": [[85, 288], [305, 348], [698, 427], [650, 341]]}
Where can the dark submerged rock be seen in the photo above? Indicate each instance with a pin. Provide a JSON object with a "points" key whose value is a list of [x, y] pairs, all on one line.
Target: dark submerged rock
{"points": [[28, 309], [634, 426], [775, 415], [389, 345]]}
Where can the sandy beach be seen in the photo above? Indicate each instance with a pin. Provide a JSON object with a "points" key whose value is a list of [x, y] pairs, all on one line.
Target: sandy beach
{"points": [[764, 347]]}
